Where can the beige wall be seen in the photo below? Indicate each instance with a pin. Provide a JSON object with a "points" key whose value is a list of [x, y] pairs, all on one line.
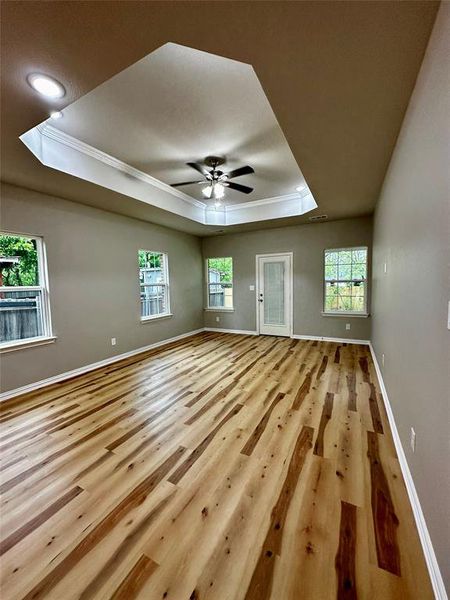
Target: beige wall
{"points": [[411, 235], [92, 263], [308, 243]]}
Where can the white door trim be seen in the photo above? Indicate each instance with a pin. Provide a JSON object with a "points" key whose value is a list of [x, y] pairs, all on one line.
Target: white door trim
{"points": [[291, 295]]}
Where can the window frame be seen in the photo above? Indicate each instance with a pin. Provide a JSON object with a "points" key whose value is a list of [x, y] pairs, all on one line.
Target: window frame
{"points": [[209, 308], [345, 313], [166, 284], [43, 287]]}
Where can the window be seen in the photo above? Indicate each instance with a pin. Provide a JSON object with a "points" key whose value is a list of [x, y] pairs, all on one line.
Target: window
{"points": [[24, 301], [346, 281], [220, 283], [154, 284]]}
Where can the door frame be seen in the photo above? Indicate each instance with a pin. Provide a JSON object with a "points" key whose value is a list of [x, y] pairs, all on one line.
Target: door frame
{"points": [[291, 295]]}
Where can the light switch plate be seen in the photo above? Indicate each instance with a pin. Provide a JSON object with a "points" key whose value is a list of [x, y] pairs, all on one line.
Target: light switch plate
{"points": [[251, 288], [347, 326], [113, 341]]}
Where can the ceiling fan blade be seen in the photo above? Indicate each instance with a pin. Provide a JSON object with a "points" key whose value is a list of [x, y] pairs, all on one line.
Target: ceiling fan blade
{"points": [[241, 171], [186, 183], [198, 168], [238, 187]]}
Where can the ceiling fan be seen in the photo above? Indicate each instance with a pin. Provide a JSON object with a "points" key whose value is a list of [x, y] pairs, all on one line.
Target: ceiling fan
{"points": [[216, 180]]}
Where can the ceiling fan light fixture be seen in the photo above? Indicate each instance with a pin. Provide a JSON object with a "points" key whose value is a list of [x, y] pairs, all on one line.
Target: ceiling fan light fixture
{"points": [[219, 191], [207, 191]]}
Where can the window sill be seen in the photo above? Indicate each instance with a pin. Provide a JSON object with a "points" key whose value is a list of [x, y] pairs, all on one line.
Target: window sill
{"points": [[156, 317], [28, 343], [346, 314], [218, 309]]}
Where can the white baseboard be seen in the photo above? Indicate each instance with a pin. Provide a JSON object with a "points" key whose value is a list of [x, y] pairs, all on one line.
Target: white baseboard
{"points": [[236, 331], [295, 336], [428, 550], [101, 363], [331, 339]]}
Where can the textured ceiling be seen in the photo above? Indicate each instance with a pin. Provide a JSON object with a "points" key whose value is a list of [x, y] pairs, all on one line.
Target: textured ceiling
{"points": [[338, 76]]}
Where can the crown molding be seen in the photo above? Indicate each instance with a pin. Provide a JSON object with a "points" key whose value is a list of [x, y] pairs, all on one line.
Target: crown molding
{"points": [[63, 138], [263, 202], [68, 154]]}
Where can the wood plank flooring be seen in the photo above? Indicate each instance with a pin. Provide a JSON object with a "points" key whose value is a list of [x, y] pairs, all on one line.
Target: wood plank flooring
{"points": [[219, 467]]}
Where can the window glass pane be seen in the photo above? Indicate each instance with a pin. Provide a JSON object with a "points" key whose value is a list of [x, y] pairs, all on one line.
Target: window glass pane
{"points": [[220, 282], [151, 267], [18, 261], [345, 303], [220, 270], [331, 258], [331, 272], [330, 303], [21, 315], [359, 271], [359, 256], [345, 257], [220, 295], [274, 293], [345, 289], [344, 271], [153, 300], [358, 303], [331, 289], [358, 289]]}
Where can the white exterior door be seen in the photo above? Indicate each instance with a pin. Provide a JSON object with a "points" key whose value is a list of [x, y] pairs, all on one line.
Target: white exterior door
{"points": [[274, 294]]}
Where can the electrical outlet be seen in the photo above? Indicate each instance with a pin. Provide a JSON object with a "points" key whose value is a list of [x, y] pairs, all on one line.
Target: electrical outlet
{"points": [[412, 440], [347, 326], [251, 288], [217, 319], [113, 341], [382, 359]]}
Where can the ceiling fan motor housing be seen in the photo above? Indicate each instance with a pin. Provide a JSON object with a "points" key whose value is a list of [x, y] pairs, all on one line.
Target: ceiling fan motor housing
{"points": [[214, 161]]}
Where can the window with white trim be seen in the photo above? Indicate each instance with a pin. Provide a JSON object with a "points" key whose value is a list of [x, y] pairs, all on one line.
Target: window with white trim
{"points": [[154, 284], [24, 298], [219, 283], [345, 285]]}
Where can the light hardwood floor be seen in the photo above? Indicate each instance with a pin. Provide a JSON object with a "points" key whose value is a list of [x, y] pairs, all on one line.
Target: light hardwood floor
{"points": [[217, 467]]}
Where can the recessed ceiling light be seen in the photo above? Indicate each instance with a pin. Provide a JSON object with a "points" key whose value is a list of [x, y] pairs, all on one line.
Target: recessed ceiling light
{"points": [[56, 114], [46, 86]]}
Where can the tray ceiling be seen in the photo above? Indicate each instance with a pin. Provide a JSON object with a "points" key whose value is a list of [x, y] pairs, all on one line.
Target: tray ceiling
{"points": [[178, 105]]}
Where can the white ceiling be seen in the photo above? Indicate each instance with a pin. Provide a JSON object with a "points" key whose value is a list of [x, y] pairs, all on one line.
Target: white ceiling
{"points": [[179, 104]]}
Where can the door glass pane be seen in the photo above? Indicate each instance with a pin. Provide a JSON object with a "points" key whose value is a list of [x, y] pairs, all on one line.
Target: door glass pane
{"points": [[274, 293]]}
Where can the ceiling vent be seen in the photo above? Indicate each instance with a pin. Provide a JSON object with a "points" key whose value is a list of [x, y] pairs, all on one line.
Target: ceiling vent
{"points": [[318, 218]]}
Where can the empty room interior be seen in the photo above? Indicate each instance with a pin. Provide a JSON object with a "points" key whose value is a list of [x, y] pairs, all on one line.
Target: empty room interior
{"points": [[225, 300]]}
